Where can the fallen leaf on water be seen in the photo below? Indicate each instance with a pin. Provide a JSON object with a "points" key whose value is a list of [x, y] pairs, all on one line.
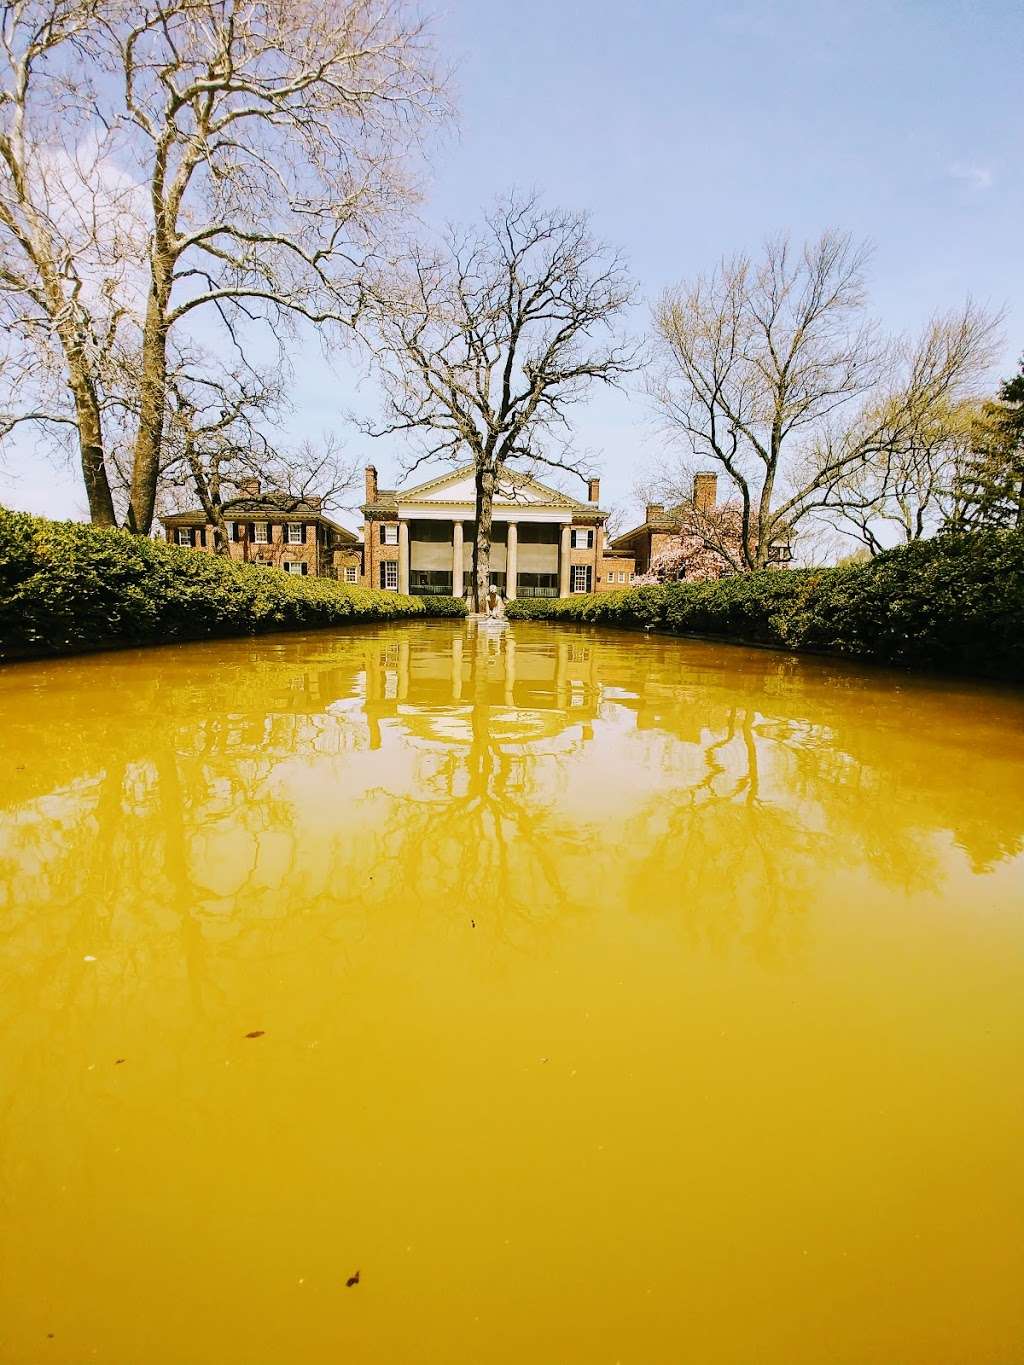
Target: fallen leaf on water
{"points": [[256, 1033], [119, 1061], [352, 1280]]}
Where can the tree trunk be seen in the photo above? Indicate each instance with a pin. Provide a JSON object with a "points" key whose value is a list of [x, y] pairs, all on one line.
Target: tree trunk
{"points": [[208, 492], [485, 481], [90, 441], [152, 406], [90, 430]]}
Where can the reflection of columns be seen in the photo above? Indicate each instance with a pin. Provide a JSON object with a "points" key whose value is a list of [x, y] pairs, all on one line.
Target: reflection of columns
{"points": [[563, 562], [511, 561], [562, 675], [403, 556], [403, 668], [457, 668], [457, 559], [510, 670]]}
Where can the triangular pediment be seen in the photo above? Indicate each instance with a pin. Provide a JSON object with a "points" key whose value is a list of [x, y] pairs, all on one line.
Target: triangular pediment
{"points": [[459, 486]]}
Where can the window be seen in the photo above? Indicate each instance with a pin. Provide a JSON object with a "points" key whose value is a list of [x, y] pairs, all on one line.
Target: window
{"points": [[232, 529], [581, 578], [622, 577], [582, 539], [294, 566], [389, 535], [537, 585], [296, 533], [261, 533], [184, 536], [351, 573], [430, 583], [389, 575]]}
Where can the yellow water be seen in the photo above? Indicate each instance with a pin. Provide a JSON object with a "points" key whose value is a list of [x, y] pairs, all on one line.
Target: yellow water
{"points": [[620, 1000]]}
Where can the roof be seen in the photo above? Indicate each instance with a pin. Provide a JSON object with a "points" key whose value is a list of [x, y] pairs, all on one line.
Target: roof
{"points": [[451, 490], [266, 505], [665, 523]]}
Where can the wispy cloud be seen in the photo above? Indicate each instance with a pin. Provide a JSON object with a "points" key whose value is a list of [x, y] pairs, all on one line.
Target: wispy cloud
{"points": [[973, 174]]}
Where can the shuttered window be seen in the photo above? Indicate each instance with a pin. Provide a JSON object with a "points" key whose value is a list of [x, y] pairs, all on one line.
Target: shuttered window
{"points": [[581, 578], [582, 539], [296, 533], [262, 533], [389, 575], [184, 536], [389, 535]]}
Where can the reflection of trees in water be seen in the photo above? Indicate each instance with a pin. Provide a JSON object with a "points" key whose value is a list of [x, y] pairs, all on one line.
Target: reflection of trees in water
{"points": [[185, 804], [477, 825]]}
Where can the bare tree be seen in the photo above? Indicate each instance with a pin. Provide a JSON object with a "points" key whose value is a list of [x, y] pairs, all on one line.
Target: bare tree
{"points": [[773, 372], [268, 147], [272, 152], [217, 443], [68, 231], [485, 344], [905, 490]]}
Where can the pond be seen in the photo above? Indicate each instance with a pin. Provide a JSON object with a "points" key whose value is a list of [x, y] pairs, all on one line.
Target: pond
{"points": [[592, 998]]}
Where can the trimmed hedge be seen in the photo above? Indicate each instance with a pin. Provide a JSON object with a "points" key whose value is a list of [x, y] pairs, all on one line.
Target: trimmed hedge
{"points": [[65, 586], [955, 602]]}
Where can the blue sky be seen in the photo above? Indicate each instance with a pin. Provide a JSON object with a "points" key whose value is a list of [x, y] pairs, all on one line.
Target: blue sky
{"points": [[693, 130]]}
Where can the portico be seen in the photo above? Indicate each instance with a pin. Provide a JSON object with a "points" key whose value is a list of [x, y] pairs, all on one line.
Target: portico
{"points": [[543, 542]]}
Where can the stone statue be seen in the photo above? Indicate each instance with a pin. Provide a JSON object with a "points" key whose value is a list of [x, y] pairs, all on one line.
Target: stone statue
{"points": [[494, 607]]}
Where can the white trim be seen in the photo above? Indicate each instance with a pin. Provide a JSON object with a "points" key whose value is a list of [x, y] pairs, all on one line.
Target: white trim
{"points": [[466, 511], [300, 539]]}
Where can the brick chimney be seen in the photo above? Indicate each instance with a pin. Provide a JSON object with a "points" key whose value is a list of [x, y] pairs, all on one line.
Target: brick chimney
{"points": [[249, 488], [371, 483], [705, 490], [654, 511], [593, 490]]}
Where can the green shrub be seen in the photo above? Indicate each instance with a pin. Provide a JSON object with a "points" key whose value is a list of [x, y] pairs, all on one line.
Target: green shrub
{"points": [[66, 586], [954, 602]]}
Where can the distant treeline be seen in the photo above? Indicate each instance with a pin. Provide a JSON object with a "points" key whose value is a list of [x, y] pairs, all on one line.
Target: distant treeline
{"points": [[955, 602], [65, 587]]}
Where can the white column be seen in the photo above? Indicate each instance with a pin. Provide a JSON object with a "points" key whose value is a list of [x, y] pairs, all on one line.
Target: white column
{"points": [[456, 558], [403, 556], [511, 561], [563, 562]]}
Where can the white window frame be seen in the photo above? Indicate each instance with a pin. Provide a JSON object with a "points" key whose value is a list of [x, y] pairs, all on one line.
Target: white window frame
{"points": [[294, 566], [183, 531], [390, 572], [582, 538], [351, 573], [389, 535], [296, 533], [261, 533], [581, 570]]}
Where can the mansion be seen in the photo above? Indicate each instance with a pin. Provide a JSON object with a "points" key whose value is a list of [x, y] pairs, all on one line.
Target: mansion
{"points": [[419, 540]]}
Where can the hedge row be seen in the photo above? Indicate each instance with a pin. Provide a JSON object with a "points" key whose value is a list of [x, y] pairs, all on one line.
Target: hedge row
{"points": [[65, 586], [955, 602]]}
